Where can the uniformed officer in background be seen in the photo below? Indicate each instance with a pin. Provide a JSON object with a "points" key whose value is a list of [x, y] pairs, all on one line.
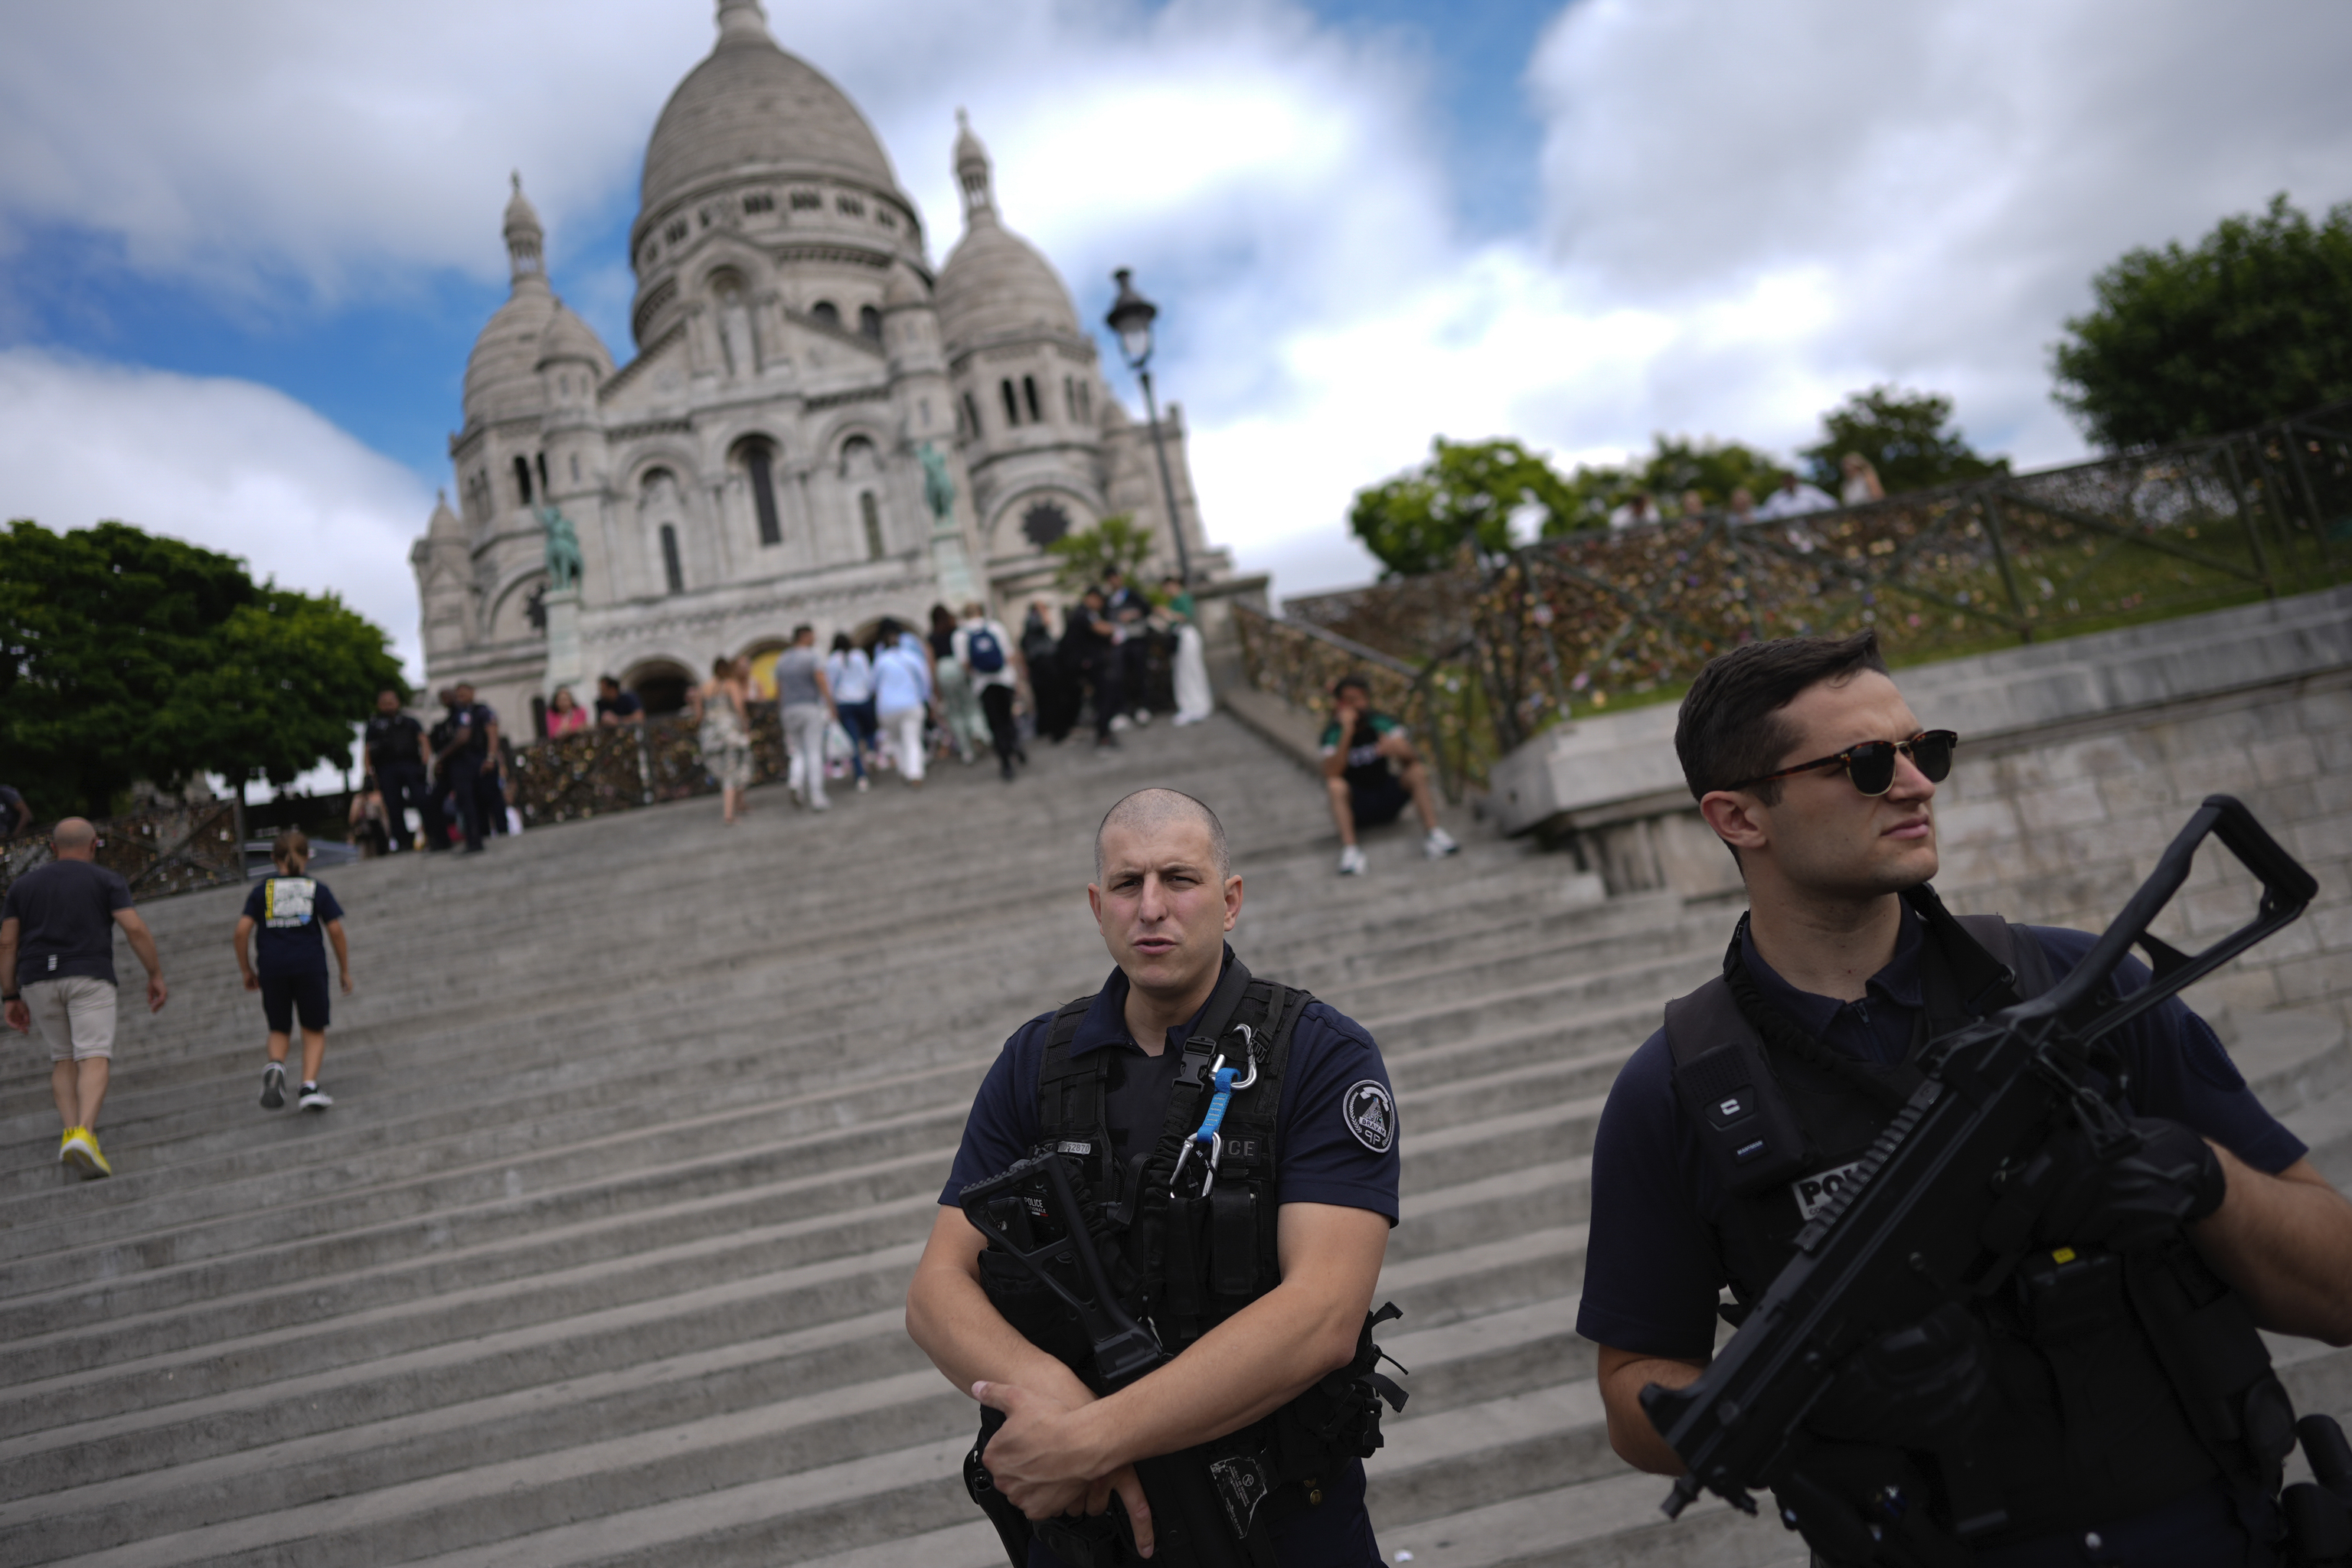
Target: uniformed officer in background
{"points": [[1283, 1260], [400, 761], [2128, 1412]]}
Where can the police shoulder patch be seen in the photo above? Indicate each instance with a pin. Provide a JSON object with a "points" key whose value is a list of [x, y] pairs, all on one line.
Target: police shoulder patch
{"points": [[1371, 1113]]}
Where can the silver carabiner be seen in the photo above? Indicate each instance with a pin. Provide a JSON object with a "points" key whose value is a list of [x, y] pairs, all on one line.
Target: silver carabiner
{"points": [[1249, 1054], [1216, 1157]]}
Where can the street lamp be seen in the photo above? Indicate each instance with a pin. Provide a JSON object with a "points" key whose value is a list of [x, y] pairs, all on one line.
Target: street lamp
{"points": [[1130, 317]]}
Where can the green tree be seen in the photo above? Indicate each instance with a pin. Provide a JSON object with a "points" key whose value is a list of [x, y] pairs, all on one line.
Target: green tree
{"points": [[2253, 323], [126, 655], [1090, 553], [1465, 494], [1676, 466], [1903, 435]]}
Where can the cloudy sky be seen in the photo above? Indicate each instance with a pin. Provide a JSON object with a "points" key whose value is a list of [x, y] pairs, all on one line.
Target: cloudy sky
{"points": [[245, 245]]}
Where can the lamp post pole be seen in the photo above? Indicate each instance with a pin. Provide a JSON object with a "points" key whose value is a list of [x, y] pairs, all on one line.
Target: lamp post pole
{"points": [[1130, 317]]}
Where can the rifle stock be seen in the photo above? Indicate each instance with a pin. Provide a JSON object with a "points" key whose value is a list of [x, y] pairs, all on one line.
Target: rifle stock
{"points": [[1943, 1204]]}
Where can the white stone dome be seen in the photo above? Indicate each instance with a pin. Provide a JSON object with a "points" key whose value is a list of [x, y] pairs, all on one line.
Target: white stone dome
{"points": [[995, 285], [502, 373], [567, 337], [751, 109]]}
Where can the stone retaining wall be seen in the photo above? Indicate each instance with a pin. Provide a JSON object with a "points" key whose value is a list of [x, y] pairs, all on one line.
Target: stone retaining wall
{"points": [[2058, 827], [2079, 761]]}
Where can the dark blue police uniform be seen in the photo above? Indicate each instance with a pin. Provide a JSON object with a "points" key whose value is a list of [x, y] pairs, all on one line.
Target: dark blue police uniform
{"points": [[1654, 1262], [1323, 1154]]}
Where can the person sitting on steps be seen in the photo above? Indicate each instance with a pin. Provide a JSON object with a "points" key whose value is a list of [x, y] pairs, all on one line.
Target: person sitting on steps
{"points": [[1371, 771]]}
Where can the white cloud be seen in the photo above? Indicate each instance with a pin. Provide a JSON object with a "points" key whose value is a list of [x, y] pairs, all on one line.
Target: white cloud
{"points": [[1748, 211], [229, 465]]}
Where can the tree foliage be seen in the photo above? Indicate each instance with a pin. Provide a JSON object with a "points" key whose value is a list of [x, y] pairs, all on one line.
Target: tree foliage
{"points": [[1089, 554], [1464, 495], [1903, 435], [1676, 466], [126, 655], [2254, 324]]}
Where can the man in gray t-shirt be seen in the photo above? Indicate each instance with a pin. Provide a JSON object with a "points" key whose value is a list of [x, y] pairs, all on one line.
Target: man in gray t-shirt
{"points": [[806, 696], [57, 968]]}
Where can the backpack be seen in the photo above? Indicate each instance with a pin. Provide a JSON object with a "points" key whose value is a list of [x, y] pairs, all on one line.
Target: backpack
{"points": [[987, 654]]}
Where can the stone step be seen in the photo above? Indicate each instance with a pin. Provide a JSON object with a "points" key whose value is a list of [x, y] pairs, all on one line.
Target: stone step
{"points": [[601, 1260]]}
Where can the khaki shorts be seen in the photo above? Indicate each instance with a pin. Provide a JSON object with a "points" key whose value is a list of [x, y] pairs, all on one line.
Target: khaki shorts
{"points": [[75, 1015]]}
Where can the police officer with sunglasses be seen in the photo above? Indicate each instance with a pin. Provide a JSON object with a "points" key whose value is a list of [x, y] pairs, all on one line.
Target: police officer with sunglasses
{"points": [[2112, 1405]]}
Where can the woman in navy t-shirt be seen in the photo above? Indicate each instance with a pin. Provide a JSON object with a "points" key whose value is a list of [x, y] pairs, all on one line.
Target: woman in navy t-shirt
{"points": [[285, 915]]}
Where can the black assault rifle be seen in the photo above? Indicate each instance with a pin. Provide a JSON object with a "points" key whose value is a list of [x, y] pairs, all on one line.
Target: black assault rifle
{"points": [[1943, 1206]]}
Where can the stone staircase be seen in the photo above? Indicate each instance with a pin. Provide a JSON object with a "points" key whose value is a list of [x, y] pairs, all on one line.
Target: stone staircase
{"points": [[640, 1124]]}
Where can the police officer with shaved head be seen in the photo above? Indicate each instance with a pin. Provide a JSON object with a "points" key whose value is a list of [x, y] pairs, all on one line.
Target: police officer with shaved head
{"points": [[1232, 1144]]}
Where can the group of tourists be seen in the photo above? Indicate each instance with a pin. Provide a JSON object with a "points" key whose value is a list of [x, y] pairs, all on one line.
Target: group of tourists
{"points": [[905, 698]]}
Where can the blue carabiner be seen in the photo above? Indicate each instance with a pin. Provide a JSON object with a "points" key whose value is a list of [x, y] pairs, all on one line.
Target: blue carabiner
{"points": [[1207, 1140], [1217, 1103]]}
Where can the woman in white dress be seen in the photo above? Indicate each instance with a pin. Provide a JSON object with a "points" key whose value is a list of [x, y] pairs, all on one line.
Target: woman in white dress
{"points": [[723, 713], [1194, 702]]}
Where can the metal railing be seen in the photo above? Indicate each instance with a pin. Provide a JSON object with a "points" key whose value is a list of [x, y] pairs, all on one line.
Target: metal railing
{"points": [[599, 771], [159, 851], [1574, 625], [1439, 701]]}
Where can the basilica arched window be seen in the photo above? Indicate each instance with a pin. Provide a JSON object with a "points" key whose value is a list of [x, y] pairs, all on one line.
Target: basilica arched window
{"points": [[759, 466], [869, 513], [1012, 404], [972, 414], [544, 486], [869, 322], [522, 478], [1029, 395], [672, 573], [825, 313]]}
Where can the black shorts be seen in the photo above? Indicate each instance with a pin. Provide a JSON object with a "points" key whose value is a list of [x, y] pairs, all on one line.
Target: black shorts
{"points": [[284, 995], [1382, 800]]}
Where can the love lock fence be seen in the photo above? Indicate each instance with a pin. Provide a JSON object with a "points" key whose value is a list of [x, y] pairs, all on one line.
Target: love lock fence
{"points": [[1575, 626], [599, 771], [159, 851]]}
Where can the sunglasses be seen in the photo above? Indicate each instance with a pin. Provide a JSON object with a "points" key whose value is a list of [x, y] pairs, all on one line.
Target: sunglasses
{"points": [[1871, 765]]}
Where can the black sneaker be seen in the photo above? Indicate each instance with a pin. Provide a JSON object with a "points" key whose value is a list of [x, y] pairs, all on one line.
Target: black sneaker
{"points": [[315, 1098], [273, 1085]]}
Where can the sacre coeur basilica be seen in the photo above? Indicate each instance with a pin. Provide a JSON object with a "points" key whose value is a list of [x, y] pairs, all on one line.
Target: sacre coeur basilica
{"points": [[818, 425]]}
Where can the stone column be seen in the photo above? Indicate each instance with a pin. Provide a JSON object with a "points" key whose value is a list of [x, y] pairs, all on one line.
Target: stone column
{"points": [[565, 667]]}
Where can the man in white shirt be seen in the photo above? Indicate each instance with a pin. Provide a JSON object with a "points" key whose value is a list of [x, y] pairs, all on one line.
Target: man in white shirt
{"points": [[1793, 499], [992, 661]]}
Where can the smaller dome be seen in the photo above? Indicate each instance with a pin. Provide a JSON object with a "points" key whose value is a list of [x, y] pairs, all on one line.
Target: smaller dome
{"points": [[444, 521], [904, 288], [502, 373], [994, 284], [567, 337]]}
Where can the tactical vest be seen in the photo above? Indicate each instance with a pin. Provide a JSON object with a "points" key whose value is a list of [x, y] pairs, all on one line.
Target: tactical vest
{"points": [[2124, 1381], [1182, 1261]]}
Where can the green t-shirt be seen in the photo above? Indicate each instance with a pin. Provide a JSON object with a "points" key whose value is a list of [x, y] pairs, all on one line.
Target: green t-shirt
{"points": [[1365, 766]]}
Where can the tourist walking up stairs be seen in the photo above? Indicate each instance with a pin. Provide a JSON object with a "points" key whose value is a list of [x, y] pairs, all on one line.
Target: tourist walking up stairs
{"points": [[57, 962]]}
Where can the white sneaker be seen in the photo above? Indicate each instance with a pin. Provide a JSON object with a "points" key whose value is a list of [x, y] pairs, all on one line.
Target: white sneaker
{"points": [[1119, 721], [1352, 861], [1439, 845], [1142, 717]]}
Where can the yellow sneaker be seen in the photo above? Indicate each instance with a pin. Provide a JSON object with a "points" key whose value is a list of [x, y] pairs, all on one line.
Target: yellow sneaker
{"points": [[82, 1151]]}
